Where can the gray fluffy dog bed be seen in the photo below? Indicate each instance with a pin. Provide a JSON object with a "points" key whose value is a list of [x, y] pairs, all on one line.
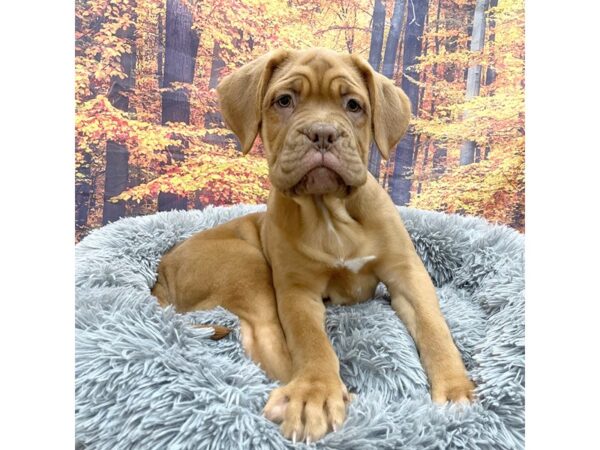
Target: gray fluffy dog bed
{"points": [[146, 379]]}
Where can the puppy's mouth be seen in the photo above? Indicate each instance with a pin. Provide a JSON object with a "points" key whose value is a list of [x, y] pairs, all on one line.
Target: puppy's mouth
{"points": [[304, 171], [320, 180]]}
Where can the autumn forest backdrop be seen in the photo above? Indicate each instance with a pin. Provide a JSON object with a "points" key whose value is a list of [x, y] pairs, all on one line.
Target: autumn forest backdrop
{"points": [[149, 136]]}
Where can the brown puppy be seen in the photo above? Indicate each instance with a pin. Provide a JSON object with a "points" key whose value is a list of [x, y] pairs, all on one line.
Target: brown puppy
{"points": [[330, 231]]}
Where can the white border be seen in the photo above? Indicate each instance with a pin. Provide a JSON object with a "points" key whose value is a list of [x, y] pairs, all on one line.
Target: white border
{"points": [[562, 229], [36, 186]]}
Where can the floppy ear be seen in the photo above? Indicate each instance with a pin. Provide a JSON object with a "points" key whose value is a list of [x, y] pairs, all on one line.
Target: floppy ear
{"points": [[390, 108], [241, 95]]}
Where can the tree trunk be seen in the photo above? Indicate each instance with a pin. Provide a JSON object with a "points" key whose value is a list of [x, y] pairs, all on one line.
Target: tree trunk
{"points": [[518, 219], [213, 118], [117, 156], [451, 45], [389, 60], [391, 45], [439, 162], [83, 193], [181, 46], [377, 35], [418, 145], [160, 52], [401, 179], [467, 151], [490, 75], [432, 107], [375, 61], [116, 180]]}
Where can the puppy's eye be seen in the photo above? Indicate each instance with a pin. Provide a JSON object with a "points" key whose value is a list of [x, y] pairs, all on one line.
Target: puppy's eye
{"points": [[353, 105], [284, 101]]}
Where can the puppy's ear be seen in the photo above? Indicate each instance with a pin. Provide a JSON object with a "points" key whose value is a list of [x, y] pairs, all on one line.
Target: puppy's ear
{"points": [[390, 108], [241, 96]]}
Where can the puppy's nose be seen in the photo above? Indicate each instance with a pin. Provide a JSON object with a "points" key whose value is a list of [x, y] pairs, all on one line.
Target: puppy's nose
{"points": [[322, 135]]}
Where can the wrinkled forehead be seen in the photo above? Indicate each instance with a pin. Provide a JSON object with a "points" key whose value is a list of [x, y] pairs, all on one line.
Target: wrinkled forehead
{"points": [[318, 73]]}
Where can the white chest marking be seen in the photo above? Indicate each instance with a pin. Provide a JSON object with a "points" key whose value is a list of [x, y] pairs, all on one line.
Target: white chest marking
{"points": [[355, 264]]}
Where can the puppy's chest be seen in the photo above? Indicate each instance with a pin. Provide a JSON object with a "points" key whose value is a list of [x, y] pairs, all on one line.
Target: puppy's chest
{"points": [[351, 281], [347, 258]]}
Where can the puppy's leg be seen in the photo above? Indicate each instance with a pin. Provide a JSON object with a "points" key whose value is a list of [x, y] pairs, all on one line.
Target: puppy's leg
{"points": [[217, 268], [415, 301], [250, 295], [264, 342], [314, 401]]}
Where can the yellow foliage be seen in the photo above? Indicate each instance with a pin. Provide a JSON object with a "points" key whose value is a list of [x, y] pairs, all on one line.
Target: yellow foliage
{"points": [[212, 170]]}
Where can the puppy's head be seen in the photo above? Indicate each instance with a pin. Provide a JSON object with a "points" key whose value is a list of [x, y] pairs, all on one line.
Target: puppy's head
{"points": [[316, 111]]}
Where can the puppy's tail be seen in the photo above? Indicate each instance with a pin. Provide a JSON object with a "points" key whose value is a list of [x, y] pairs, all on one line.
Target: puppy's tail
{"points": [[219, 331]]}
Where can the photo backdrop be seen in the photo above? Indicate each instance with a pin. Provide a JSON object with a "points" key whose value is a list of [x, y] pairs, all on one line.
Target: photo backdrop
{"points": [[149, 136]]}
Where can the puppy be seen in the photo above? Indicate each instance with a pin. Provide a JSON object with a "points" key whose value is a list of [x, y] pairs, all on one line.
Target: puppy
{"points": [[329, 232]]}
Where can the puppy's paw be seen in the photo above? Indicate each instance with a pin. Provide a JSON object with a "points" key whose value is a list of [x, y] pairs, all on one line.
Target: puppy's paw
{"points": [[457, 389], [308, 407]]}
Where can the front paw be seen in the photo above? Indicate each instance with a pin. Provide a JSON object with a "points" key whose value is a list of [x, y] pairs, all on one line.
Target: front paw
{"points": [[458, 389], [308, 407]]}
